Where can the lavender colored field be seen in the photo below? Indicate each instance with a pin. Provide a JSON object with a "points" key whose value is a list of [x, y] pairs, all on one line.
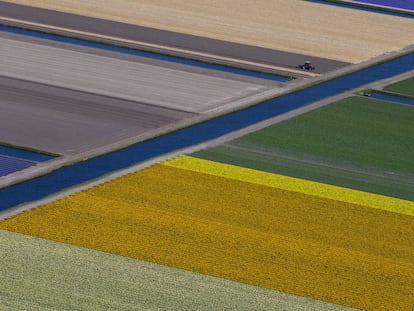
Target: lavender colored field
{"points": [[10, 165], [392, 4], [15, 159]]}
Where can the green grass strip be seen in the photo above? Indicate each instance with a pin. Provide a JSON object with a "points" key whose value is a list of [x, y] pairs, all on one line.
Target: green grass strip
{"points": [[405, 87], [360, 143], [316, 169], [359, 130]]}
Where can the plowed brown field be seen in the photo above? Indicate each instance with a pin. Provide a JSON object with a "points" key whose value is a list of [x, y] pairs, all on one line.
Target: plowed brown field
{"points": [[294, 26]]}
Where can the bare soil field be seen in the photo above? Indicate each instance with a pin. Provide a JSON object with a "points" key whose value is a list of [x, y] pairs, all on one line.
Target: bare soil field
{"points": [[69, 122], [294, 26], [149, 84], [77, 101]]}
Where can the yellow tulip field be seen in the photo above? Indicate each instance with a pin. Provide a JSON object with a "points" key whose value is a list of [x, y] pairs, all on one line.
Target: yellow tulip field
{"points": [[248, 226]]}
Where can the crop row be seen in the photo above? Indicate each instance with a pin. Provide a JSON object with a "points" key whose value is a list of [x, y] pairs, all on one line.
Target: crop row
{"points": [[293, 184], [76, 278], [239, 230]]}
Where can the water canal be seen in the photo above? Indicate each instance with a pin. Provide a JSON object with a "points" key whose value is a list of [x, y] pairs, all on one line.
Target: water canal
{"points": [[93, 168]]}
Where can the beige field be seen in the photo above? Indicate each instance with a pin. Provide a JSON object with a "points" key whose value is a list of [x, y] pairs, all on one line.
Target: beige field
{"points": [[295, 26]]}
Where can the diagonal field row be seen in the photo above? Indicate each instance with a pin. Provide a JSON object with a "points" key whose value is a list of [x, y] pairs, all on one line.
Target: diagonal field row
{"points": [[294, 184], [191, 231], [267, 236], [136, 81], [293, 26], [38, 274], [358, 142]]}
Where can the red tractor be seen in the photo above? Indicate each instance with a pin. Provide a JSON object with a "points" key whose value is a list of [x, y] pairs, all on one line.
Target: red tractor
{"points": [[307, 66]]}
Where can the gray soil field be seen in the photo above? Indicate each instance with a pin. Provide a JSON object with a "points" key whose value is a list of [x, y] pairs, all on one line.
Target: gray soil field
{"points": [[69, 99], [69, 122], [154, 85], [169, 40]]}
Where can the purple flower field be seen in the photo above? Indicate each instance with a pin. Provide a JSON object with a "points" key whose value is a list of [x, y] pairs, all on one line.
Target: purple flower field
{"points": [[406, 5]]}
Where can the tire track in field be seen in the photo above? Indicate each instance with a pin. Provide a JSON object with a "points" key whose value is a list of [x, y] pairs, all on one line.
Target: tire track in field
{"points": [[321, 162]]}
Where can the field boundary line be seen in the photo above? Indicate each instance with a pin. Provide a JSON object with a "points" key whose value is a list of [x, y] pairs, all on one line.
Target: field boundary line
{"points": [[313, 188], [157, 48]]}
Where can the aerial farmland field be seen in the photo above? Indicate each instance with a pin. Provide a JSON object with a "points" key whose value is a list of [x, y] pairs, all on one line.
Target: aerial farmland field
{"points": [[358, 142], [189, 180], [188, 214], [37, 263], [294, 26]]}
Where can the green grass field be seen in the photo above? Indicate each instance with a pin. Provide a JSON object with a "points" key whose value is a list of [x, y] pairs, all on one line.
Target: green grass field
{"points": [[405, 87], [359, 142]]}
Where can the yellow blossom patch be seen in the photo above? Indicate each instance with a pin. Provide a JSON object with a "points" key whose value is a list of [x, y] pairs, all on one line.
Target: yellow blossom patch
{"points": [[293, 184], [284, 240]]}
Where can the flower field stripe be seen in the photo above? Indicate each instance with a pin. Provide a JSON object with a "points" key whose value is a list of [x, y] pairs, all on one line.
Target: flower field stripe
{"points": [[287, 241], [293, 184], [39, 274]]}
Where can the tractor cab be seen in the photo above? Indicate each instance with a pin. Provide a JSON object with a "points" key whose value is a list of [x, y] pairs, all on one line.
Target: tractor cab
{"points": [[307, 66]]}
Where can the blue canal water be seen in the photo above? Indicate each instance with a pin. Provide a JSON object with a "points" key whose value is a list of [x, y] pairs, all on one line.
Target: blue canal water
{"points": [[130, 51], [392, 98], [93, 168]]}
